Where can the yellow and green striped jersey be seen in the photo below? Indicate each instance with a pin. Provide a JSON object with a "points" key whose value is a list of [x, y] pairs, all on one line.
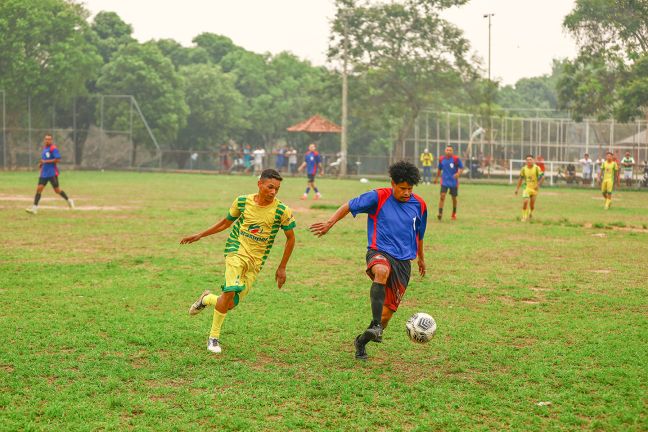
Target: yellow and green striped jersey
{"points": [[531, 176], [610, 170], [256, 227]]}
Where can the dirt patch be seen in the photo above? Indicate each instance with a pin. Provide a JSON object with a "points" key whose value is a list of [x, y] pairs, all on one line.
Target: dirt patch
{"points": [[7, 368], [616, 228], [602, 271]]}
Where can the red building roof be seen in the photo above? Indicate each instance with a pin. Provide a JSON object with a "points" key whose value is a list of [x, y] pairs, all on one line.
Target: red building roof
{"points": [[316, 124]]}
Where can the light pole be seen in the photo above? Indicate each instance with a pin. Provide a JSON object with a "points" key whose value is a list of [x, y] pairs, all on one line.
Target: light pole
{"points": [[490, 87], [345, 103]]}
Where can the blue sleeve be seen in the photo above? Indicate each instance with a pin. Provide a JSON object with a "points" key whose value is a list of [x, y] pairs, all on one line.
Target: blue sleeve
{"points": [[460, 163], [56, 154], [423, 225], [440, 166], [318, 159], [365, 203]]}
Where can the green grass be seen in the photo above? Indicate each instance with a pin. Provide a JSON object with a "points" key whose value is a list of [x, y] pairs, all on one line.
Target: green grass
{"points": [[96, 335]]}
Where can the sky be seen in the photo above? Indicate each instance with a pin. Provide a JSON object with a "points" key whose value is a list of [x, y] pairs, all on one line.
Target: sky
{"points": [[526, 34]]}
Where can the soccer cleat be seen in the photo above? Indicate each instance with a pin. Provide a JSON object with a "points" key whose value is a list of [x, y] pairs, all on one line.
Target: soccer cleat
{"points": [[439, 216], [198, 304], [317, 196], [374, 333], [32, 210], [305, 196], [454, 216], [213, 345], [71, 203], [360, 350]]}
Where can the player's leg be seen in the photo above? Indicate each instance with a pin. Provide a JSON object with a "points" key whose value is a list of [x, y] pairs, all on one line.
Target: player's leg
{"points": [[454, 192], [387, 315], [42, 182], [57, 189], [309, 184], [441, 202], [317, 194], [532, 201], [525, 206], [378, 269]]}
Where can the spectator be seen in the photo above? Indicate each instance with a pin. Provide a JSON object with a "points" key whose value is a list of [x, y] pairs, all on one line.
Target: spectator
{"points": [[426, 161], [597, 167], [258, 154], [586, 165], [627, 163], [570, 176], [247, 157], [292, 160]]}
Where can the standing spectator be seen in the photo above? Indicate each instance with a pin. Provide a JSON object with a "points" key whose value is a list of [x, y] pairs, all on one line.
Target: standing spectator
{"points": [[586, 164], [247, 157], [279, 158], [571, 173], [627, 164], [258, 154], [540, 162], [292, 160], [426, 161], [224, 157]]}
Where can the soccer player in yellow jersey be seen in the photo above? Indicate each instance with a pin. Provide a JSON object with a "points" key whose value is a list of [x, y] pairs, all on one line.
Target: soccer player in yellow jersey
{"points": [[532, 176], [426, 161], [257, 219], [610, 174]]}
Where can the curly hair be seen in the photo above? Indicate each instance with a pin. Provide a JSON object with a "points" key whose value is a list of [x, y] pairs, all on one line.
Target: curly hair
{"points": [[404, 171]]}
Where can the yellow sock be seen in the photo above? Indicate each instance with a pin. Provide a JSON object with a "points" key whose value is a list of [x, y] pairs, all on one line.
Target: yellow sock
{"points": [[524, 212], [210, 300], [217, 323]]}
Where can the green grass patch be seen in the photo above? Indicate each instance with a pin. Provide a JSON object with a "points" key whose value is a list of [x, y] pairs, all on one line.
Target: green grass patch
{"points": [[97, 336]]}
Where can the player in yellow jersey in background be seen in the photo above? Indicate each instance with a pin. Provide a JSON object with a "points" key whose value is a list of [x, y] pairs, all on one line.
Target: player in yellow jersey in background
{"points": [[257, 219], [532, 176], [426, 161], [610, 174]]}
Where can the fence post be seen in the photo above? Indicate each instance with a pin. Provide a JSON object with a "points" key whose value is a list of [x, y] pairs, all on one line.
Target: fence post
{"points": [[29, 131], [551, 170], [4, 131], [511, 171]]}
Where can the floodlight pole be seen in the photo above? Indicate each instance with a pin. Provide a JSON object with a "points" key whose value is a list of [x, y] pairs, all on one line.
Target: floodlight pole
{"points": [[490, 89], [345, 102]]}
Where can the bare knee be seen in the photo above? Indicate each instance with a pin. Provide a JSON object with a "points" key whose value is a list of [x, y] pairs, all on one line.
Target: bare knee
{"points": [[225, 302], [381, 273]]}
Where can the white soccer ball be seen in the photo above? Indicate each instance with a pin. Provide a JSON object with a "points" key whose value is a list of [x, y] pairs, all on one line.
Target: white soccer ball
{"points": [[364, 180], [420, 327]]}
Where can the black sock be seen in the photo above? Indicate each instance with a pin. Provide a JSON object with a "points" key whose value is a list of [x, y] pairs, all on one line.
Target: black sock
{"points": [[440, 210], [37, 198], [64, 195], [454, 210], [377, 295]]}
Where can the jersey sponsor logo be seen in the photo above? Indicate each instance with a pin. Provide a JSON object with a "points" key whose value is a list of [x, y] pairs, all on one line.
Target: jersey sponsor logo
{"points": [[47, 154], [255, 229], [253, 237]]}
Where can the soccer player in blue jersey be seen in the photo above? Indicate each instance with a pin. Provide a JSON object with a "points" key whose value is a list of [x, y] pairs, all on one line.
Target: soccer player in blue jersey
{"points": [[450, 168], [396, 223], [313, 164], [50, 157]]}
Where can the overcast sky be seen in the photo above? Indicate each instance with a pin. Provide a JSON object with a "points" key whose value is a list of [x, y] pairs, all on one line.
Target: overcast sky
{"points": [[526, 34]]}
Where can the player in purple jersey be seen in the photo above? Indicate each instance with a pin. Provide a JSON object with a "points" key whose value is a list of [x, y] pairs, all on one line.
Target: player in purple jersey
{"points": [[313, 164], [49, 172], [450, 168], [396, 225]]}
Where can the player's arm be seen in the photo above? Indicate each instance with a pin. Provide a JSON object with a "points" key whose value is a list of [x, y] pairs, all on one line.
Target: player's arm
{"points": [[220, 226], [46, 161], [420, 258], [458, 174], [280, 275], [321, 228], [517, 188], [301, 167], [541, 180], [436, 179]]}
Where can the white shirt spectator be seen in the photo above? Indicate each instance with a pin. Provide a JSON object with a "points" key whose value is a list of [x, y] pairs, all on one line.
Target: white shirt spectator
{"points": [[258, 157], [586, 164]]}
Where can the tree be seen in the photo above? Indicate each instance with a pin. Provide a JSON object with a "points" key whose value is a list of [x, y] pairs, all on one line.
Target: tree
{"points": [[613, 41], [216, 46], [180, 55], [112, 33], [216, 106], [410, 56], [46, 50], [143, 72]]}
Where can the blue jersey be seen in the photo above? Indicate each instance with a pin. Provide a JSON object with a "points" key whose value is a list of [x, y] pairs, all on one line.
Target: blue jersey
{"points": [[50, 169], [313, 159], [449, 166], [393, 227]]}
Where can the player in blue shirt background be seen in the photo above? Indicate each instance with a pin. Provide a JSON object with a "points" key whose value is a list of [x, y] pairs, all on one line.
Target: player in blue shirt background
{"points": [[50, 157], [313, 164], [396, 223], [450, 168]]}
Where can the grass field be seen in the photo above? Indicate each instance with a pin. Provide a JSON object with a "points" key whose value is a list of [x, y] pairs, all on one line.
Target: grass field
{"points": [[96, 335]]}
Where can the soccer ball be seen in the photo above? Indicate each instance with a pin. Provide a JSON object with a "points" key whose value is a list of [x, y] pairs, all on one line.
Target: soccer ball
{"points": [[364, 180], [420, 327]]}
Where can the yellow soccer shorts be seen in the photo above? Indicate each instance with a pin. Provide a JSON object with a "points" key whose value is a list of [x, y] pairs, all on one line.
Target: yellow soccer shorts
{"points": [[529, 192], [607, 186], [240, 274]]}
